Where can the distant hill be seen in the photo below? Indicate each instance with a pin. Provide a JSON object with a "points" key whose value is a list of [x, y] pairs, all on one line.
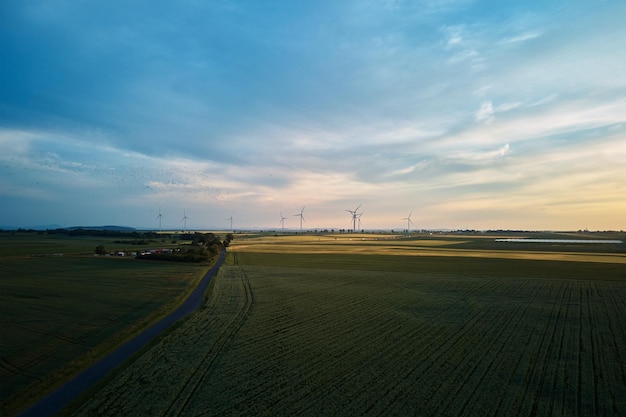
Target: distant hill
{"points": [[108, 228]]}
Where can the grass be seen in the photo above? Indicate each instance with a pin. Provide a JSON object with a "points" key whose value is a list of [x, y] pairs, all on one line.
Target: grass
{"points": [[303, 330], [61, 313], [470, 265], [28, 244]]}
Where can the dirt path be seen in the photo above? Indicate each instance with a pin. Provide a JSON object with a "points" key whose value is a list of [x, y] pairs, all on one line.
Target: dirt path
{"points": [[56, 400]]}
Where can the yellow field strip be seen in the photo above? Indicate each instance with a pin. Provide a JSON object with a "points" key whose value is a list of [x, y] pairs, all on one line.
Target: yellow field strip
{"points": [[412, 250]]}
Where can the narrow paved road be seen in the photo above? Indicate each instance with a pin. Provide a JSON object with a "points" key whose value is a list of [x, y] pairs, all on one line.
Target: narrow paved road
{"points": [[56, 400]]}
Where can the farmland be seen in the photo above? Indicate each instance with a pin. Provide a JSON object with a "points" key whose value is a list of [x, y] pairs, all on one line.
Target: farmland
{"points": [[323, 326], [60, 313]]}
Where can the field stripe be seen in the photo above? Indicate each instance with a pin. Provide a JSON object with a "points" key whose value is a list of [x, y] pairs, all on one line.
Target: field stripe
{"points": [[418, 251], [318, 325], [186, 393], [491, 356], [434, 353]]}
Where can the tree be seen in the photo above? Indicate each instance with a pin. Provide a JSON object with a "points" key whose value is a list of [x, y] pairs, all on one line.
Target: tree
{"points": [[100, 250], [226, 242]]}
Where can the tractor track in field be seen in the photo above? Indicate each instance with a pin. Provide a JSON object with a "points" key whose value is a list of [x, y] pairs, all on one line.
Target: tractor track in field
{"points": [[15, 369], [56, 400], [195, 380], [300, 342]]}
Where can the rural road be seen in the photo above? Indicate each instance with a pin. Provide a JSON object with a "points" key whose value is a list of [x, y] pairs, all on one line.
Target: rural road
{"points": [[56, 400]]}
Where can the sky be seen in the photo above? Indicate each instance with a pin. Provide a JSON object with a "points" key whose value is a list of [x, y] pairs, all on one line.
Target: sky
{"points": [[462, 114]]}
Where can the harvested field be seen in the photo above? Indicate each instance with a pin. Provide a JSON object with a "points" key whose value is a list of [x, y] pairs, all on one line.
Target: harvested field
{"points": [[291, 334]]}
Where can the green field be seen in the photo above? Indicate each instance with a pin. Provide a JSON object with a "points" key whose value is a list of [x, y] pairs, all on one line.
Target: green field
{"points": [[60, 313], [304, 326]]}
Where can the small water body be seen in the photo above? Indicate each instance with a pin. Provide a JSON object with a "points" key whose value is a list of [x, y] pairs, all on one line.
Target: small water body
{"points": [[522, 240]]}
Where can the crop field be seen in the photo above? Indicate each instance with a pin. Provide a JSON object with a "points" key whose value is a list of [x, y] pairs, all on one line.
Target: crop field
{"points": [[306, 330], [59, 313], [32, 244]]}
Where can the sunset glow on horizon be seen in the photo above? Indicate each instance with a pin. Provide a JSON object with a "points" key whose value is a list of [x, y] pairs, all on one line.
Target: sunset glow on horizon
{"points": [[467, 114]]}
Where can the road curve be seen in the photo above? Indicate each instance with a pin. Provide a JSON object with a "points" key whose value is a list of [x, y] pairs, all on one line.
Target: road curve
{"points": [[56, 400]]}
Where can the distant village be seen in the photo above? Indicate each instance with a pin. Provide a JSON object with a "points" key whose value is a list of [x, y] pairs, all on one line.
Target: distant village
{"points": [[134, 253]]}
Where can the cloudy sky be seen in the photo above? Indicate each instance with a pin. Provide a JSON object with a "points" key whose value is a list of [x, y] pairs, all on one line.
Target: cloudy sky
{"points": [[467, 114]]}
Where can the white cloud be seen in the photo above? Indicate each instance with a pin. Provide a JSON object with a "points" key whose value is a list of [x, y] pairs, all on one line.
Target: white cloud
{"points": [[533, 123], [478, 156], [520, 38], [454, 37], [408, 170], [504, 107], [465, 55], [485, 113]]}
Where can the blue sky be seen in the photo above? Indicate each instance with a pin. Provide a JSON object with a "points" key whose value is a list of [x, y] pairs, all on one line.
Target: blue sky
{"points": [[469, 114]]}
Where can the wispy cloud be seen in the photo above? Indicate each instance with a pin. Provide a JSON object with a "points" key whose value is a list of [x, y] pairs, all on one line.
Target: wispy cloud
{"points": [[485, 113], [520, 38], [475, 115]]}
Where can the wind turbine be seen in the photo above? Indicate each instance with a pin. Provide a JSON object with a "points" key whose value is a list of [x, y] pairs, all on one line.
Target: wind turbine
{"points": [[185, 218], [408, 221], [355, 216], [231, 220], [159, 217], [301, 217], [282, 220]]}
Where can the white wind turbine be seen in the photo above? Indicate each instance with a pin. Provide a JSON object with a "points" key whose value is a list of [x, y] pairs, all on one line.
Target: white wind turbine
{"points": [[355, 216], [159, 217], [408, 221], [282, 220], [301, 217], [231, 220], [185, 218]]}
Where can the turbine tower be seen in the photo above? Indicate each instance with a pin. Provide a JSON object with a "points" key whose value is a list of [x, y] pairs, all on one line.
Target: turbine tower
{"points": [[355, 216], [185, 218], [282, 220], [231, 220], [159, 217], [408, 221], [301, 217]]}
